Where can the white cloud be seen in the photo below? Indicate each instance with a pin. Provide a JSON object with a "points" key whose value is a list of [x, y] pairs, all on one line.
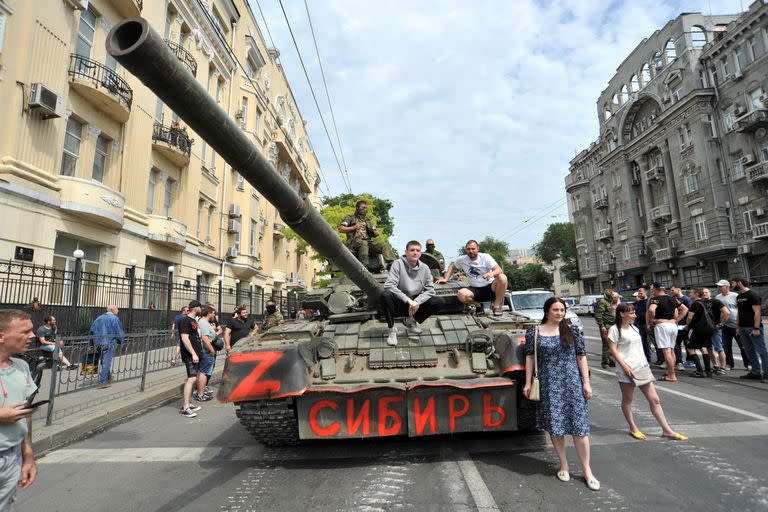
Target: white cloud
{"points": [[464, 114]]}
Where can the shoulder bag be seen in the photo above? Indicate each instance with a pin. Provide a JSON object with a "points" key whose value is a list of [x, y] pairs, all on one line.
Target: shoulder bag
{"points": [[535, 394]]}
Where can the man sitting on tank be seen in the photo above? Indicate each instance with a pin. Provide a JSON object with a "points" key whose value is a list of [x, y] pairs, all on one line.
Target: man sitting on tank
{"points": [[409, 292], [360, 233], [487, 281]]}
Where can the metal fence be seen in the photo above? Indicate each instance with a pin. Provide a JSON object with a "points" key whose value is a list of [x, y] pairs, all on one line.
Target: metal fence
{"points": [[150, 302]]}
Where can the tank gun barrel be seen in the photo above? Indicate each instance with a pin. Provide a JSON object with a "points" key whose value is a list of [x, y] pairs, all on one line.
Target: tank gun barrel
{"points": [[138, 47]]}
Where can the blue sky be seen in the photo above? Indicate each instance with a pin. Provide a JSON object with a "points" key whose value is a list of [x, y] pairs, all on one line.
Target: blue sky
{"points": [[464, 114]]}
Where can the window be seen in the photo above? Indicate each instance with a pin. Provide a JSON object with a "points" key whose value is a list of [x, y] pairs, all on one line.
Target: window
{"points": [[580, 232], [100, 160], [240, 181], [627, 252], [61, 292], [85, 32], [703, 78], [208, 224], [639, 207], [753, 51], [711, 128], [616, 179], [738, 168], [607, 114], [153, 177], [698, 37], [764, 150], [726, 67], [741, 58], [713, 72], [200, 208], [219, 89], [634, 84], [257, 122], [692, 179], [624, 94], [677, 94], [658, 62], [615, 101], [620, 214], [72, 139], [168, 197], [253, 237], [237, 241], [645, 74], [721, 171], [244, 113], [3, 18], [700, 228], [218, 22], [754, 99], [731, 223], [748, 221], [670, 51], [729, 117]]}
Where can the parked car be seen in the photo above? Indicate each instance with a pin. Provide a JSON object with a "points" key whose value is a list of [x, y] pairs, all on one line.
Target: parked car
{"points": [[530, 303], [590, 301]]}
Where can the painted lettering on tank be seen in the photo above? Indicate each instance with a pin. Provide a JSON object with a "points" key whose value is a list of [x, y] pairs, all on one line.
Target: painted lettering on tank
{"points": [[386, 413], [489, 410], [250, 386], [453, 412], [323, 431], [363, 418], [421, 417]]}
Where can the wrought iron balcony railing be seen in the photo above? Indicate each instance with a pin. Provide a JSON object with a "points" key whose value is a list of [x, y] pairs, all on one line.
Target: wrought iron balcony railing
{"points": [[101, 76], [173, 136], [183, 55]]}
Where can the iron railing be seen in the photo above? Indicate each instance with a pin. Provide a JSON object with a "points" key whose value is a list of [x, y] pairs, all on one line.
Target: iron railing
{"points": [[175, 137], [101, 76], [183, 55]]}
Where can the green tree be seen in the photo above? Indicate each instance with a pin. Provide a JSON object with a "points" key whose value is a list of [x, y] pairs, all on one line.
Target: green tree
{"points": [[559, 241], [378, 208], [528, 276], [498, 249]]}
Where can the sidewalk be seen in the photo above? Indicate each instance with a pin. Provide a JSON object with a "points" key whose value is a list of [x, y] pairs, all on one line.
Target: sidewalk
{"points": [[79, 413]]}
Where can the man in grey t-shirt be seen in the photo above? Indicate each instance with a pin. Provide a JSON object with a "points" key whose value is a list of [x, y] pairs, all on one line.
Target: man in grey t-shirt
{"points": [[208, 359], [729, 329]]}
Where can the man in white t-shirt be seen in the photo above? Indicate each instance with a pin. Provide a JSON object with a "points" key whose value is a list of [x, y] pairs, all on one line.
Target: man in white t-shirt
{"points": [[487, 281]]}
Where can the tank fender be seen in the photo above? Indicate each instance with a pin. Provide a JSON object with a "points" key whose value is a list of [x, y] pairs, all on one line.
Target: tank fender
{"points": [[511, 349]]}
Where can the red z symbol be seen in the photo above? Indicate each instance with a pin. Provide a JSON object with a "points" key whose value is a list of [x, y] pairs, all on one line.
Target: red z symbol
{"points": [[250, 387]]}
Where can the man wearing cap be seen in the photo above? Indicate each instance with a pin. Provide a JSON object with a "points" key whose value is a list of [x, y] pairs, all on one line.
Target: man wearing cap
{"points": [[662, 316], [191, 355], [729, 329], [641, 307]]}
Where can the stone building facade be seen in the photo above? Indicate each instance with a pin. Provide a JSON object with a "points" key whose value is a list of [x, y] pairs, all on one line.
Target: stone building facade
{"points": [[672, 190], [92, 160]]}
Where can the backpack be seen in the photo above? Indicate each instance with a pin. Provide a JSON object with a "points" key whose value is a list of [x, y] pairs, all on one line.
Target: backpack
{"points": [[706, 324]]}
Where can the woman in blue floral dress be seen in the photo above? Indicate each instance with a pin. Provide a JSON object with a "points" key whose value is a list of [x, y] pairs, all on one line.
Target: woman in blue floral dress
{"points": [[564, 385]]}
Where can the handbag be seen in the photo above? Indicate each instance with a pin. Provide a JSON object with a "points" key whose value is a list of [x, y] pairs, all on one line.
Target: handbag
{"points": [[643, 376], [535, 394], [218, 343]]}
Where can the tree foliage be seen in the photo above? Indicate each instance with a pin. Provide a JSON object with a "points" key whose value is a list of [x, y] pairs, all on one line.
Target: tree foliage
{"points": [[559, 241], [498, 249], [528, 276]]}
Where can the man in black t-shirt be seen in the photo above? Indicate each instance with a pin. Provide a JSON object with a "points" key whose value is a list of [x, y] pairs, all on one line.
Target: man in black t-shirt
{"points": [[720, 314], [191, 353], [699, 327], [238, 328], [663, 313], [751, 329]]}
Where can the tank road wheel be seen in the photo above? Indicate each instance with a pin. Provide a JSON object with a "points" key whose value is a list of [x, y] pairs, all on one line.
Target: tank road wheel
{"points": [[526, 409], [271, 422]]}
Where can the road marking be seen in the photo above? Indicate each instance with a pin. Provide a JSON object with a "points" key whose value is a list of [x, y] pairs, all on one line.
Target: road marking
{"points": [[480, 493], [696, 398]]}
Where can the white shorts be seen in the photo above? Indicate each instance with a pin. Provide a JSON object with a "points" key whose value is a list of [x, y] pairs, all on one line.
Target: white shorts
{"points": [[666, 335]]}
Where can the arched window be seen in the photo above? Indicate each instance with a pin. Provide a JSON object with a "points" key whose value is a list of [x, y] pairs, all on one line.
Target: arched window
{"points": [[634, 84], [645, 74], [624, 95], [698, 37], [658, 62], [670, 51], [281, 107], [607, 114], [615, 101]]}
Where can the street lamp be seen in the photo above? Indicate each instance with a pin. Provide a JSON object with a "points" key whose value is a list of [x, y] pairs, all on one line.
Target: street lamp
{"points": [[78, 254]]}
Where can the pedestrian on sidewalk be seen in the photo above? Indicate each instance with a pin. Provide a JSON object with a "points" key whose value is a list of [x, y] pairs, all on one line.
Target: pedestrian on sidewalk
{"points": [[191, 352], [47, 337], [720, 315], [238, 327], [207, 362], [662, 316], [641, 306], [751, 329], [175, 334], [605, 312], [699, 327], [633, 370], [681, 361], [564, 385], [106, 333], [730, 329], [17, 460]]}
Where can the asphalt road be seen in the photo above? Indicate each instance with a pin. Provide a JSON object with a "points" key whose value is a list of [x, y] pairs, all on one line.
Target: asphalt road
{"points": [[162, 461]]}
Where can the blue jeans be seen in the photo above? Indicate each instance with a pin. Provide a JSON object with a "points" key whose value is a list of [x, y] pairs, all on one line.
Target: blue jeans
{"points": [[107, 351], [646, 342], [729, 334], [10, 473], [716, 341], [207, 362], [756, 350]]}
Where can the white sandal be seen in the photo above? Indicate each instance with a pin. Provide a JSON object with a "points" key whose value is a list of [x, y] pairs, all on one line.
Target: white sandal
{"points": [[563, 476], [593, 484]]}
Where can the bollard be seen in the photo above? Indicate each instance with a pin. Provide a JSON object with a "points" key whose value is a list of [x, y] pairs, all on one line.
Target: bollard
{"points": [[146, 361], [52, 389]]}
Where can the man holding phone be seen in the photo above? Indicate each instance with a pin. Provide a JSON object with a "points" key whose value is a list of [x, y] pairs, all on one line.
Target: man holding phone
{"points": [[17, 461]]}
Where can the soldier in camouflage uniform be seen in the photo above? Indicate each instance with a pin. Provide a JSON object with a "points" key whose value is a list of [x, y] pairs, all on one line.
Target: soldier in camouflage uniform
{"points": [[605, 316], [360, 233], [273, 317], [437, 254]]}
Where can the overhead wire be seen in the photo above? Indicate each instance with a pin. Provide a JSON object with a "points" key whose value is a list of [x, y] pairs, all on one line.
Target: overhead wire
{"points": [[314, 97], [541, 214], [327, 94]]}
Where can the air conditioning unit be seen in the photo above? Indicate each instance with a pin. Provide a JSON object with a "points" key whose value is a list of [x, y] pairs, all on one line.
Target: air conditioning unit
{"points": [[747, 159], [744, 249], [234, 210], [619, 274], [49, 103], [232, 252], [759, 212], [764, 99], [738, 110], [233, 226], [240, 113], [737, 75]]}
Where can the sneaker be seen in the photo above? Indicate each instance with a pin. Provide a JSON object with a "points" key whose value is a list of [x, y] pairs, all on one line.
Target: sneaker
{"points": [[392, 337], [188, 412], [194, 408], [698, 374], [203, 398], [412, 327], [689, 364], [750, 376], [208, 390], [208, 393], [73, 367]]}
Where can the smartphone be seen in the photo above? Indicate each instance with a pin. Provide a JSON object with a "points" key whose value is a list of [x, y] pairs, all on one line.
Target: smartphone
{"points": [[35, 405]]}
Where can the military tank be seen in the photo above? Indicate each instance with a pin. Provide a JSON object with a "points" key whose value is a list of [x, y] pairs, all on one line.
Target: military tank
{"points": [[334, 376]]}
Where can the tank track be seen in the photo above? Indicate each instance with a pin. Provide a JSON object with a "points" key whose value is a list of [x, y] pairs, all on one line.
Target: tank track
{"points": [[271, 422]]}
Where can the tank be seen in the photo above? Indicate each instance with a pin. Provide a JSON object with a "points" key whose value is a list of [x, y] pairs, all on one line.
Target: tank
{"points": [[334, 376]]}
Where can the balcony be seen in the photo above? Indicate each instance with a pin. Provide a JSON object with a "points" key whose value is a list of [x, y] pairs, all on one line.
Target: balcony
{"points": [[173, 143], [245, 266], [752, 121], [277, 229], [128, 8], [604, 234], [92, 200], [167, 231], [183, 55], [660, 213], [574, 181], [601, 202], [666, 254], [757, 172], [101, 86], [760, 231], [287, 152], [608, 266], [655, 173]]}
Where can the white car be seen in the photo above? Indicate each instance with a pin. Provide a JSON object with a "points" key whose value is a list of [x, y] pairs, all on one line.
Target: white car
{"points": [[530, 304]]}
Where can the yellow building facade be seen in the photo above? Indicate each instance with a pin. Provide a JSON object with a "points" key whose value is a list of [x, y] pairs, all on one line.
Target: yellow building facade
{"points": [[90, 159]]}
